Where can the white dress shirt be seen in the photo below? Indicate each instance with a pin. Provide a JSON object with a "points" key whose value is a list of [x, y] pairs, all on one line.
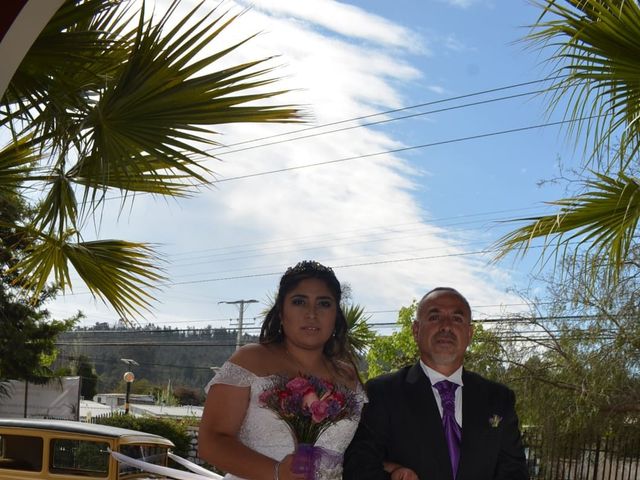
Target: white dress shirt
{"points": [[456, 377]]}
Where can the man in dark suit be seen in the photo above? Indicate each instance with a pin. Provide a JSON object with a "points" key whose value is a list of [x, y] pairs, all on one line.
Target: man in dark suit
{"points": [[434, 420]]}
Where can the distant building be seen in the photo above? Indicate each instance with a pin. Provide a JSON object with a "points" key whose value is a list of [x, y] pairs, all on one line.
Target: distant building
{"points": [[115, 400], [161, 411], [90, 409]]}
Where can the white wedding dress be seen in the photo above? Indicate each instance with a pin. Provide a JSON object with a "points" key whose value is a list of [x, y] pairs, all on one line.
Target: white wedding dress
{"points": [[265, 433]]}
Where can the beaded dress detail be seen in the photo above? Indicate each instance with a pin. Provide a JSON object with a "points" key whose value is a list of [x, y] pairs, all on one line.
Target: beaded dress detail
{"points": [[264, 432]]}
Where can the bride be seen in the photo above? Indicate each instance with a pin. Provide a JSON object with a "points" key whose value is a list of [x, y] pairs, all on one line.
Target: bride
{"points": [[305, 332]]}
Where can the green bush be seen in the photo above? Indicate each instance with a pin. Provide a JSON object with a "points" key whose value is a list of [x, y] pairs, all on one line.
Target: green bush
{"points": [[174, 430]]}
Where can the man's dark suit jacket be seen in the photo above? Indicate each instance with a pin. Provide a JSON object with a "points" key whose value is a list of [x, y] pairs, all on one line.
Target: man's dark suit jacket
{"points": [[401, 423]]}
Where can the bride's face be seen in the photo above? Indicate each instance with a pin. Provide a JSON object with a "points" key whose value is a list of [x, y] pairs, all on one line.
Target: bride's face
{"points": [[309, 314]]}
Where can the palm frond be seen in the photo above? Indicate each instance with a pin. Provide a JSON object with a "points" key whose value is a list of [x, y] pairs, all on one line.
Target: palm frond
{"points": [[121, 273], [596, 66], [605, 218], [59, 209], [78, 50], [152, 117], [360, 335], [17, 161]]}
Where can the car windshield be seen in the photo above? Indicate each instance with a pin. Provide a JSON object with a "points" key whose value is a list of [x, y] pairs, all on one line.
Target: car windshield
{"points": [[155, 454]]}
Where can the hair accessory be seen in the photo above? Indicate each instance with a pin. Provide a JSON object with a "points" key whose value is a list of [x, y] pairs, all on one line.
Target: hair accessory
{"points": [[308, 266]]}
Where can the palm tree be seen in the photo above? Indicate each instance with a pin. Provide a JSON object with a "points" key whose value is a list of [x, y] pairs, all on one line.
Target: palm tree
{"points": [[597, 76], [108, 99], [359, 333]]}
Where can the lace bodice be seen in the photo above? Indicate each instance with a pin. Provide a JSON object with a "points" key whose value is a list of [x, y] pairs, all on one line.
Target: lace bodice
{"points": [[263, 431]]}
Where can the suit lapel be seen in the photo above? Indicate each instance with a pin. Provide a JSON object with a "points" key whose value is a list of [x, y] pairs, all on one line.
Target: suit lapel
{"points": [[474, 424], [428, 424]]}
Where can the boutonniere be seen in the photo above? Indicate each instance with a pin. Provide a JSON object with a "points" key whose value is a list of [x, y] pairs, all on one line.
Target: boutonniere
{"points": [[495, 420]]}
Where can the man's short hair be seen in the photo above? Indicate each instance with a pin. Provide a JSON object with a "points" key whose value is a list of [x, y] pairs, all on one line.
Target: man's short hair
{"points": [[444, 289]]}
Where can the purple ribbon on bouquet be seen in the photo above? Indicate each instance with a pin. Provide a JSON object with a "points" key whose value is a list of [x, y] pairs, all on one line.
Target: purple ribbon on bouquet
{"points": [[311, 460]]}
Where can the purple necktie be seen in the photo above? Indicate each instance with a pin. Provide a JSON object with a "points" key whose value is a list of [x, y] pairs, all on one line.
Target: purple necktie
{"points": [[452, 431]]}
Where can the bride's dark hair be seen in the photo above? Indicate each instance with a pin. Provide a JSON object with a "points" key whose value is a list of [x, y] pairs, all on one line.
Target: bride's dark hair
{"points": [[271, 332]]}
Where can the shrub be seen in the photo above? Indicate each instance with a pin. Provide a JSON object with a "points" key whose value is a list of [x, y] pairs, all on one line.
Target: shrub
{"points": [[174, 430]]}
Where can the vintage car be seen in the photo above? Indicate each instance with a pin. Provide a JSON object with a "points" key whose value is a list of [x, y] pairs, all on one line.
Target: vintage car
{"points": [[67, 450]]}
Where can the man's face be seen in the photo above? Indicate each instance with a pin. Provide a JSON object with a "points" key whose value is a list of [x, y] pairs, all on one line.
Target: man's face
{"points": [[443, 331]]}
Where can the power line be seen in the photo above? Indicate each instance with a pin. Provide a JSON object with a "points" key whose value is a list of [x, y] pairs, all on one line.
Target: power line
{"points": [[404, 149], [510, 319], [388, 112], [421, 230], [385, 229], [363, 264], [241, 308], [483, 92], [387, 120]]}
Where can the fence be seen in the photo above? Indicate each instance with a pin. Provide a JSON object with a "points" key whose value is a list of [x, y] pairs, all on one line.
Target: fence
{"points": [[583, 458], [558, 457]]}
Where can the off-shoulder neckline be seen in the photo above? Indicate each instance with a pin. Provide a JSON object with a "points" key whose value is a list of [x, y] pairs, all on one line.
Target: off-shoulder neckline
{"points": [[357, 388]]}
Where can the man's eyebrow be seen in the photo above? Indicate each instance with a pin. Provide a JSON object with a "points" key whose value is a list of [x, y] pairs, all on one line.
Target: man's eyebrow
{"points": [[437, 310]]}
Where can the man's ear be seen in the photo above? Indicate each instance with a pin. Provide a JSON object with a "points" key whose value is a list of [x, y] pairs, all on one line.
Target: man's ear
{"points": [[414, 329], [471, 331]]}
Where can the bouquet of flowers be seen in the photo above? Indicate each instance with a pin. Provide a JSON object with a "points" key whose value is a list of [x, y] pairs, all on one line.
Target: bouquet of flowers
{"points": [[309, 405]]}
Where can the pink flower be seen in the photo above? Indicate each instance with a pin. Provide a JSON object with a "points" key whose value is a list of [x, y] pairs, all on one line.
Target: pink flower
{"points": [[319, 411], [309, 405], [309, 399], [339, 397], [298, 385], [265, 395]]}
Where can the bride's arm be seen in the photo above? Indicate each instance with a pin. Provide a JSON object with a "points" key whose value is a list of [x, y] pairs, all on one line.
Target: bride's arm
{"points": [[218, 443]]}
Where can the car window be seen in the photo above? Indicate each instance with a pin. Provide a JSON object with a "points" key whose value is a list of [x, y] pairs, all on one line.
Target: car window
{"points": [[155, 454], [79, 457], [20, 452]]}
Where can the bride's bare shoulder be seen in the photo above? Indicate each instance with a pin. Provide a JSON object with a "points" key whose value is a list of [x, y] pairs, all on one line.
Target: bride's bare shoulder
{"points": [[259, 359]]}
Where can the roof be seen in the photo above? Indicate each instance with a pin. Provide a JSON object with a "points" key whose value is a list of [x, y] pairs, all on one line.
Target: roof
{"points": [[88, 407], [81, 428], [165, 411]]}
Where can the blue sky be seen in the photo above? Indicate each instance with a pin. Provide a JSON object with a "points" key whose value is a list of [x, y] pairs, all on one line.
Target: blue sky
{"points": [[392, 225]]}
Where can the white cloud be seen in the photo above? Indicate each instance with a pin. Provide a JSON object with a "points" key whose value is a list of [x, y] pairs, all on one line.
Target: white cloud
{"points": [[463, 3], [360, 215], [344, 19]]}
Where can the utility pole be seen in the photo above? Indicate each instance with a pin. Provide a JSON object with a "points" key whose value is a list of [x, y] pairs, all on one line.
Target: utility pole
{"points": [[241, 307]]}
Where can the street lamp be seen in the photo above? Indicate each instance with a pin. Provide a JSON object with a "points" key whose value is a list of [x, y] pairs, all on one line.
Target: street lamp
{"points": [[129, 377]]}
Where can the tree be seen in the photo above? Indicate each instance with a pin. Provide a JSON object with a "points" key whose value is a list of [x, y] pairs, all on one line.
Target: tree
{"points": [[108, 99], [574, 358], [27, 336], [189, 396], [391, 352], [597, 62], [359, 334], [88, 377]]}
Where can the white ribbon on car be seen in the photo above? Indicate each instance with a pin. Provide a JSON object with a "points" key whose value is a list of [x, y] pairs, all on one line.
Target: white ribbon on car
{"points": [[160, 470]]}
